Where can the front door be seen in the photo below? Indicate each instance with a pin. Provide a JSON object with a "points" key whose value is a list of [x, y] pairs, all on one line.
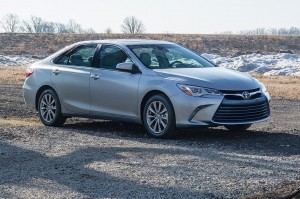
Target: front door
{"points": [[113, 92]]}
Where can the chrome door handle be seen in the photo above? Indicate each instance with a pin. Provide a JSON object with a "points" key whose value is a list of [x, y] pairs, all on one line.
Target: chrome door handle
{"points": [[56, 71], [95, 76]]}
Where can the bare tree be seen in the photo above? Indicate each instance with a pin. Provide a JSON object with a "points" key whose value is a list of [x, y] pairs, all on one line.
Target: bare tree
{"points": [[10, 23], [108, 31], [37, 23], [27, 27], [74, 27], [34, 25], [226, 33], [48, 27], [294, 31], [132, 25], [272, 31], [61, 28], [89, 31]]}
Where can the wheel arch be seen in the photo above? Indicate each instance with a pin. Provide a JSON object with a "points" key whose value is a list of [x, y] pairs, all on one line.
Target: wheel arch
{"points": [[148, 95], [39, 92]]}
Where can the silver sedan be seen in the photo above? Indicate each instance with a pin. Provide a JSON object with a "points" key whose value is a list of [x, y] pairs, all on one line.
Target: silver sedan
{"points": [[158, 84]]}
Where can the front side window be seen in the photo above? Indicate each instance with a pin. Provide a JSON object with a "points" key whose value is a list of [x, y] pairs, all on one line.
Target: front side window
{"points": [[81, 56], [168, 56], [110, 56]]}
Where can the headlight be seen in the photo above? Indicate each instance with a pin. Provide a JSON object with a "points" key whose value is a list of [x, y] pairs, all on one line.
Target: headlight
{"points": [[198, 91], [262, 87], [264, 91]]}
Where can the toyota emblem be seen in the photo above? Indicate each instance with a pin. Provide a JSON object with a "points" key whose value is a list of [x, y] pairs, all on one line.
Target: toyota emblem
{"points": [[246, 95]]}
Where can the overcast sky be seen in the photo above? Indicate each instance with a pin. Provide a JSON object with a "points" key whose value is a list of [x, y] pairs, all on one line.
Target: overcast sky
{"points": [[163, 16]]}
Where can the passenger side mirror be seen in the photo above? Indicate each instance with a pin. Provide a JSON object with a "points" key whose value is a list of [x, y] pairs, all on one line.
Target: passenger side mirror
{"points": [[127, 66]]}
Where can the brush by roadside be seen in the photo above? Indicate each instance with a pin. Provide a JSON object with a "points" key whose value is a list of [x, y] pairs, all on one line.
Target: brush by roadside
{"points": [[12, 75]]}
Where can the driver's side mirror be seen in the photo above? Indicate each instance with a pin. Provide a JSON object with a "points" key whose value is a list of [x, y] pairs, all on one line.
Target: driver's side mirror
{"points": [[128, 67]]}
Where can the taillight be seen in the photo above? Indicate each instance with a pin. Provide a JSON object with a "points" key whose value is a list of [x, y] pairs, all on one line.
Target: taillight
{"points": [[29, 71]]}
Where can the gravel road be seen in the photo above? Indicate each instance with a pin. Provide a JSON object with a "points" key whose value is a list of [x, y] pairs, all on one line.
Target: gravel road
{"points": [[103, 159]]}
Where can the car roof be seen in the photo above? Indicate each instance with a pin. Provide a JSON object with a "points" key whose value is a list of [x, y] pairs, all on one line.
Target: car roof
{"points": [[125, 41]]}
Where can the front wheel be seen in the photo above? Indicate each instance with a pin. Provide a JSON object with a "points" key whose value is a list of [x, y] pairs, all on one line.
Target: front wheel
{"points": [[49, 109], [239, 127], [159, 117]]}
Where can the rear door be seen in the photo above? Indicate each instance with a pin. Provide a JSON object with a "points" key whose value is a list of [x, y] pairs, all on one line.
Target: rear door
{"points": [[71, 77], [113, 92]]}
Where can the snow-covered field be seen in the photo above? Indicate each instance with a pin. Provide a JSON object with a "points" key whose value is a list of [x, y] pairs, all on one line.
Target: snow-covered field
{"points": [[268, 64], [283, 64], [18, 60]]}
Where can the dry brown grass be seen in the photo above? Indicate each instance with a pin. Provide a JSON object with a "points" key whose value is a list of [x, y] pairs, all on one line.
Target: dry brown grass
{"points": [[19, 122], [12, 75], [279, 87], [282, 87], [225, 45]]}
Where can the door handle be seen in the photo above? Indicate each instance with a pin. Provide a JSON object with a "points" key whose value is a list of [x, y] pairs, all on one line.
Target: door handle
{"points": [[95, 76], [56, 71]]}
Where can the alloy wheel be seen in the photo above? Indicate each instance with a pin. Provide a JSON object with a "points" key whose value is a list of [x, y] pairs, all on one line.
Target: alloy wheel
{"points": [[48, 108], [157, 117]]}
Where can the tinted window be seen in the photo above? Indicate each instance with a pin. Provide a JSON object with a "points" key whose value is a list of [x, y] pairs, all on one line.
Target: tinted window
{"points": [[111, 56], [81, 56]]}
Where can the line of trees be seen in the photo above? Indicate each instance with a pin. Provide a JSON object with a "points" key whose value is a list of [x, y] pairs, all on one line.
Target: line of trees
{"points": [[267, 31], [272, 31], [11, 23]]}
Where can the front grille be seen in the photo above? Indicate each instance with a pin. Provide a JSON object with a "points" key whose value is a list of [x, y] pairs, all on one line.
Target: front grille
{"points": [[241, 111], [236, 97]]}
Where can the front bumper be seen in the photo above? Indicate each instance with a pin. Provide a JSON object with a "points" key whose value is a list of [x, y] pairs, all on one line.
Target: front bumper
{"points": [[209, 110]]}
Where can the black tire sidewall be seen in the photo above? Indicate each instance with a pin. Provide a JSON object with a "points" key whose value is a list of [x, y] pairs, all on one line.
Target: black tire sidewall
{"points": [[169, 131], [59, 119]]}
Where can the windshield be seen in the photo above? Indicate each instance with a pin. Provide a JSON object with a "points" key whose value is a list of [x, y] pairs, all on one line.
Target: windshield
{"points": [[163, 56]]}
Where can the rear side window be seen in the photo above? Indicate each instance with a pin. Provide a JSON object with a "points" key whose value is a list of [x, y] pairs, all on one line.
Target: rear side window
{"points": [[110, 56], [80, 56]]}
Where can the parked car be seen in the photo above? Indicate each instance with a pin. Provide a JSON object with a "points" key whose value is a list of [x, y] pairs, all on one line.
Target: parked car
{"points": [[158, 84]]}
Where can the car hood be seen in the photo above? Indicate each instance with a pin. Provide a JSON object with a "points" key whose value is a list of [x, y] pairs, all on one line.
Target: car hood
{"points": [[212, 77]]}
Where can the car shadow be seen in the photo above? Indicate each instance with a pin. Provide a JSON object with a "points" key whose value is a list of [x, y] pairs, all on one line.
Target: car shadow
{"points": [[255, 142]]}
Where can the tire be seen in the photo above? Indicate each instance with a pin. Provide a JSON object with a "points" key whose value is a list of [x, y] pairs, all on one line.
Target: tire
{"points": [[159, 117], [49, 109], [237, 128]]}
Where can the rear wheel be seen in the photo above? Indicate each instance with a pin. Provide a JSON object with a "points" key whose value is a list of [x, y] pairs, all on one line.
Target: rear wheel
{"points": [[239, 127], [159, 117], [49, 109]]}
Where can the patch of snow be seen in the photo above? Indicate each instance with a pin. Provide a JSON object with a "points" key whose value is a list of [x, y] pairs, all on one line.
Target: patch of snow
{"points": [[283, 64], [18, 60]]}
